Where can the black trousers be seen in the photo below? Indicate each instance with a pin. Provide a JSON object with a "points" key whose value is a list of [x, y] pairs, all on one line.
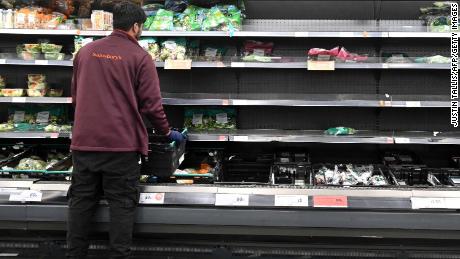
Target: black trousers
{"points": [[115, 175]]}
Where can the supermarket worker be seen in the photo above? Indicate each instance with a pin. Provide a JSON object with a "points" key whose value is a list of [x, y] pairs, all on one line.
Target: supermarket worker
{"points": [[114, 83]]}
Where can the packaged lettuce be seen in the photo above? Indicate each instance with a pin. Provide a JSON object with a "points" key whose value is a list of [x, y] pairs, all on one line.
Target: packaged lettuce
{"points": [[210, 119], [192, 18], [174, 49], [163, 21], [152, 46], [234, 16], [215, 21], [212, 53], [340, 131], [197, 119], [223, 118], [152, 9]]}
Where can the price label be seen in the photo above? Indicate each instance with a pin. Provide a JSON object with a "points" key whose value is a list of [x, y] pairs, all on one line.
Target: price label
{"points": [[330, 201], [197, 119], [291, 200], [224, 199], [41, 62], [55, 135], [428, 203], [178, 64], [452, 203], [18, 99], [43, 117], [221, 118], [68, 100], [321, 65], [9, 191], [240, 138], [346, 34], [152, 198], [19, 116], [225, 102], [222, 138], [301, 34], [2, 61], [238, 64], [365, 34], [385, 66], [402, 140], [413, 104], [385, 103], [27, 195]]}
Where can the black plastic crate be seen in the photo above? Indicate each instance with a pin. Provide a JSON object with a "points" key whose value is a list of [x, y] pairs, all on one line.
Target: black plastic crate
{"points": [[164, 156], [411, 175], [247, 168]]}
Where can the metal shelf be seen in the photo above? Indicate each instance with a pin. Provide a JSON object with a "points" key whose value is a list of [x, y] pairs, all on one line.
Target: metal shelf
{"points": [[315, 136], [300, 63], [27, 135], [283, 28], [35, 99], [414, 137], [20, 62]]}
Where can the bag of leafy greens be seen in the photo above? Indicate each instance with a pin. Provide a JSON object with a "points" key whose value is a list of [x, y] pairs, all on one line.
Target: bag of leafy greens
{"points": [[163, 21]]}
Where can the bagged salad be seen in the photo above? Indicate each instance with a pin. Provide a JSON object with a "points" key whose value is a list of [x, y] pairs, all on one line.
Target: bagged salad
{"points": [[338, 131], [210, 119], [162, 21], [152, 46], [215, 21], [212, 53], [174, 49]]}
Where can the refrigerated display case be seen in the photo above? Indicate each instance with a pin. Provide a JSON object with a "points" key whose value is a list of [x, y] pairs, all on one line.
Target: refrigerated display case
{"points": [[266, 165]]}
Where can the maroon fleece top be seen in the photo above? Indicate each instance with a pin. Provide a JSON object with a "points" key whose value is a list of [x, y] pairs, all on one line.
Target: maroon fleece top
{"points": [[114, 82]]}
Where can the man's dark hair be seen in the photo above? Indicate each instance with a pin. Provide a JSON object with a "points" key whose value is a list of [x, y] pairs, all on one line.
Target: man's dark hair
{"points": [[126, 14]]}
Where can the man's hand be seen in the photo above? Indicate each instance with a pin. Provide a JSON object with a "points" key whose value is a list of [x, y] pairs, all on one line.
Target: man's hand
{"points": [[176, 136]]}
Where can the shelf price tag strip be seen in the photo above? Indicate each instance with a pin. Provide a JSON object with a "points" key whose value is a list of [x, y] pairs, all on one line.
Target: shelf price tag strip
{"points": [[27, 195], [313, 65], [435, 203], [225, 199], [291, 200], [41, 62], [2, 61], [18, 99], [178, 64], [330, 201], [152, 198]]}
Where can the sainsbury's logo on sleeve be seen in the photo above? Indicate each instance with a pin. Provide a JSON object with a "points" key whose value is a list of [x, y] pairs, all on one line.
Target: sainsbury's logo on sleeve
{"points": [[107, 56]]}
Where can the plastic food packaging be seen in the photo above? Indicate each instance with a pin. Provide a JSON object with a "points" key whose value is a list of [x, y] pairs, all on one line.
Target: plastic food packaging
{"points": [[5, 127], [349, 175], [340, 131], [234, 16], [53, 92], [101, 20], [193, 17], [36, 92], [2, 81], [33, 48], [152, 46], [162, 21], [173, 49], [433, 60], [176, 5], [31, 163], [12, 92], [337, 53], [210, 119], [257, 48], [215, 21], [37, 78], [54, 56], [152, 9], [37, 86], [50, 48], [212, 53]]}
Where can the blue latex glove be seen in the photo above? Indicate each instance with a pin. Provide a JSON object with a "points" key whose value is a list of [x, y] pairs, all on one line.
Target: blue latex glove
{"points": [[176, 136]]}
